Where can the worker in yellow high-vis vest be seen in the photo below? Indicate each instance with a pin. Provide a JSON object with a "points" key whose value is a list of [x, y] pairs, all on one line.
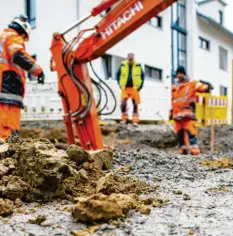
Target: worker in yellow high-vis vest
{"points": [[130, 77]]}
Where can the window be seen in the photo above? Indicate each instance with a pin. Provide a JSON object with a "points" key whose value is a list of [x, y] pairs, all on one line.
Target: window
{"points": [[223, 91], [179, 14], [31, 12], [32, 77], [223, 58], [220, 17], [153, 73], [107, 61], [179, 36], [204, 44], [157, 22]]}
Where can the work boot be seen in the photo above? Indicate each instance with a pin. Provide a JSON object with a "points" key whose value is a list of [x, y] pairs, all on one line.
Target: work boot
{"points": [[195, 151], [183, 151]]}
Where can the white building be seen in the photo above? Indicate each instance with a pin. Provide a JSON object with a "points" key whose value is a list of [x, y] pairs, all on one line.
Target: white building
{"points": [[188, 34]]}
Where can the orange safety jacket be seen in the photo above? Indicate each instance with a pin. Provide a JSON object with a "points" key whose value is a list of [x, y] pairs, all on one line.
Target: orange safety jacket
{"points": [[13, 62], [184, 99]]}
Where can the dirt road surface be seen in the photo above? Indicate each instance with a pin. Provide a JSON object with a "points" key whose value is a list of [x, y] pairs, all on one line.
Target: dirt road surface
{"points": [[200, 196]]}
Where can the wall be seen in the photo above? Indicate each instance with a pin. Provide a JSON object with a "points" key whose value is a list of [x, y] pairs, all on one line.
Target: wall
{"points": [[211, 9], [207, 66], [152, 46]]}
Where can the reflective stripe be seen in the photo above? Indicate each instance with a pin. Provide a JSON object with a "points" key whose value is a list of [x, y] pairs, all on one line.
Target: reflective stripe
{"points": [[34, 68], [5, 35], [187, 91], [11, 97], [13, 46], [185, 99], [2, 60]]}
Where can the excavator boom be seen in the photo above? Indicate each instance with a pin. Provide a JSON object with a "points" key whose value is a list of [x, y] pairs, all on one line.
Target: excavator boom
{"points": [[124, 19], [70, 58]]}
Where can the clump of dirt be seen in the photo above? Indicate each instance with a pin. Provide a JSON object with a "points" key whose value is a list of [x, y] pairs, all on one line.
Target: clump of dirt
{"points": [[112, 183], [7, 166], [221, 163], [90, 230], [6, 208], [33, 169], [38, 220], [103, 158], [78, 155], [84, 186], [103, 208], [220, 189], [13, 187]]}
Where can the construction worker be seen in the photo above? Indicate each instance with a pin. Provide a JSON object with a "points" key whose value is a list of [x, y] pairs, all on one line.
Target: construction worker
{"points": [[130, 77], [13, 62], [183, 111]]}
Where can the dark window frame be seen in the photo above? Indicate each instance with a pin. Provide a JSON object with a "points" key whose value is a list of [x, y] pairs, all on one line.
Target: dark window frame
{"points": [[222, 66], [107, 60], [30, 12], [151, 69], [179, 48], [204, 41], [159, 24], [220, 17], [223, 91]]}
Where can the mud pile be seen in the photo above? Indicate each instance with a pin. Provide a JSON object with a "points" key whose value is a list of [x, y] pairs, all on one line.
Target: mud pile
{"points": [[33, 169]]}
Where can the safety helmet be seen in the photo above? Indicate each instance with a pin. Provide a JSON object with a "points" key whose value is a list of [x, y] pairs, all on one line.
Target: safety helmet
{"points": [[22, 21], [181, 70]]}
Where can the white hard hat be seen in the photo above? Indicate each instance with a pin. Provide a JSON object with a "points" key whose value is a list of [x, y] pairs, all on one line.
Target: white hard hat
{"points": [[22, 20]]}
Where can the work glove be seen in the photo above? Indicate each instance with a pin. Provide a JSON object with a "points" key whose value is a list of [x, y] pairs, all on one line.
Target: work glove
{"points": [[40, 78]]}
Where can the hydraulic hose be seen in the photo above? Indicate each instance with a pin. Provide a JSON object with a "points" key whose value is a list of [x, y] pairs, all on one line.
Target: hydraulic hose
{"points": [[81, 85], [109, 89], [99, 92]]}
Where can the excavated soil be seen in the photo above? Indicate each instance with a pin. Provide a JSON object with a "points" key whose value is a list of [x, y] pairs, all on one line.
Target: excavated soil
{"points": [[145, 137], [185, 195]]}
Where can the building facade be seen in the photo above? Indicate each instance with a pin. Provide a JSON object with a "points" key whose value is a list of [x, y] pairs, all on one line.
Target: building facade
{"points": [[188, 33]]}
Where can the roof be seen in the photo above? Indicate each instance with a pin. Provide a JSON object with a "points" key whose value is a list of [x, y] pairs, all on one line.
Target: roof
{"points": [[215, 24], [206, 1]]}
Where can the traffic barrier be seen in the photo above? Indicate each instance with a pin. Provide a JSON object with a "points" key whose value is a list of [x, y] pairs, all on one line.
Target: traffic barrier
{"points": [[211, 110]]}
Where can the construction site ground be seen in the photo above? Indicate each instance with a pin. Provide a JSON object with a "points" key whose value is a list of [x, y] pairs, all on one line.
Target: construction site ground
{"points": [[197, 191]]}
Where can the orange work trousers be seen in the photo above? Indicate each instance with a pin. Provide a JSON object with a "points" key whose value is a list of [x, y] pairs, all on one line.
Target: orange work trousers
{"points": [[9, 120], [135, 96], [187, 136]]}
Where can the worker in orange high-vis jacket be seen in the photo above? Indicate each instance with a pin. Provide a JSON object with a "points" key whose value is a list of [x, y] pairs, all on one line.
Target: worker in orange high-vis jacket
{"points": [[130, 77], [183, 111], [14, 61]]}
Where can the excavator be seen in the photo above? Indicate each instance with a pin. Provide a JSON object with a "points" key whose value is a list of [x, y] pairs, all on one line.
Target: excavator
{"points": [[70, 61]]}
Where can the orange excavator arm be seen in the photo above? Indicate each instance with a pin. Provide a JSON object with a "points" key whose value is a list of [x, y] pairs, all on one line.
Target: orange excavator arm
{"points": [[70, 58]]}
